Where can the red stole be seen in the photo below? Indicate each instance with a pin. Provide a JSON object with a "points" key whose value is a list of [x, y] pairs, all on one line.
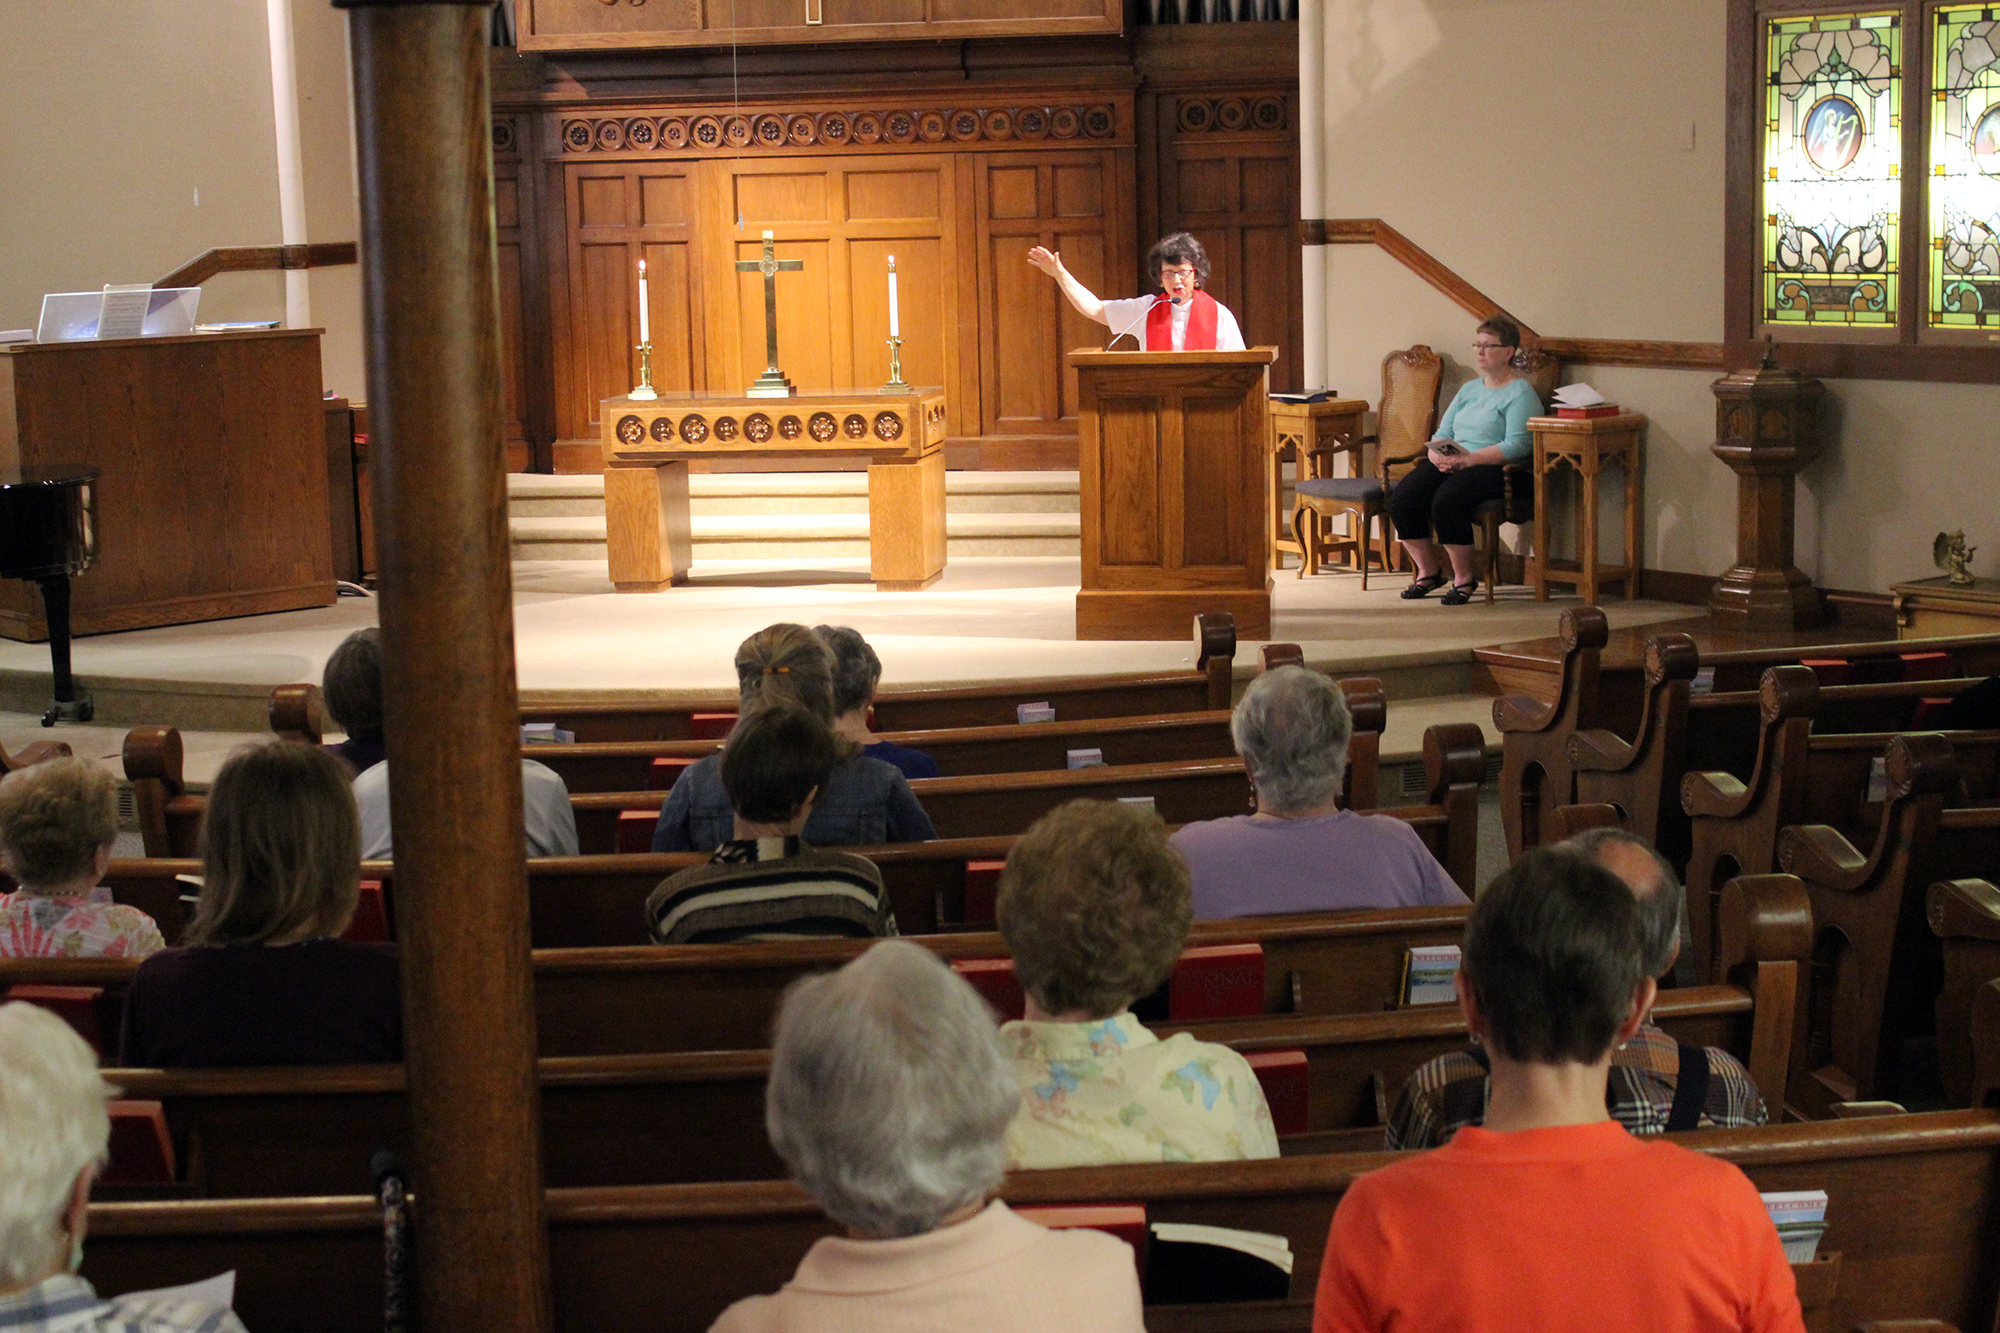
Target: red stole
{"points": [[1200, 327]]}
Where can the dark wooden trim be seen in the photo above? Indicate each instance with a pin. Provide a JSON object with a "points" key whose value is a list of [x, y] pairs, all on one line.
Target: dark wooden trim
{"points": [[1312, 231], [1743, 126], [1432, 270], [1928, 362], [1666, 585], [254, 258], [1636, 352], [1872, 611]]}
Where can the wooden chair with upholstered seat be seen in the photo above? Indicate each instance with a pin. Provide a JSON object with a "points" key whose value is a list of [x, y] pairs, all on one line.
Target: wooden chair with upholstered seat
{"points": [[1517, 503], [1405, 417]]}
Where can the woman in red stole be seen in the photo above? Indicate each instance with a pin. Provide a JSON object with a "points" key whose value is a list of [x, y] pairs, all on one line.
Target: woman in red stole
{"points": [[1184, 318]]}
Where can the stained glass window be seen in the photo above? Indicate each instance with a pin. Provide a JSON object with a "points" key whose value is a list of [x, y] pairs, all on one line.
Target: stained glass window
{"points": [[1965, 168], [1832, 155]]}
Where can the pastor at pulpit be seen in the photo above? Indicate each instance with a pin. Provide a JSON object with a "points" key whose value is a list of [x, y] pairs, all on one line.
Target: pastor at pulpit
{"points": [[1183, 319]]}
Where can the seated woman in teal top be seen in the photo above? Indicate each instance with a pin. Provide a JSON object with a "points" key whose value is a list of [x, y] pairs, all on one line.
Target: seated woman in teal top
{"points": [[1485, 426]]}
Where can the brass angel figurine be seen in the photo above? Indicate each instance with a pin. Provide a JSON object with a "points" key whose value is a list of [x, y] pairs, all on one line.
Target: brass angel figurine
{"points": [[1950, 553]]}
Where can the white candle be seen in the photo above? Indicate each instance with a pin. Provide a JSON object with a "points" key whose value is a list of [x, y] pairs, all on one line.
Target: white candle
{"points": [[645, 320], [895, 329]]}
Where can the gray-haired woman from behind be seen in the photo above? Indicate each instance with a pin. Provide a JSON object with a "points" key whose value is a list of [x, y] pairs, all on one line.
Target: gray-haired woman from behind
{"points": [[889, 1100], [1300, 852]]}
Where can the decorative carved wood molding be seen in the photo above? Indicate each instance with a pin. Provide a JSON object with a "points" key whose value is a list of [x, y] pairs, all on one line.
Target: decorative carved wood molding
{"points": [[696, 130], [252, 258], [1577, 351], [1231, 115]]}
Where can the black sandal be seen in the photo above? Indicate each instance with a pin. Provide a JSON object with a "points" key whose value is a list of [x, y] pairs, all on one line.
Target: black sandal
{"points": [[1460, 594], [1423, 587]]}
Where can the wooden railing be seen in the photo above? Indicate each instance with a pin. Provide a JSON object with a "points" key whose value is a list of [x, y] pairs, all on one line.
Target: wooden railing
{"points": [[1576, 351], [252, 258]]}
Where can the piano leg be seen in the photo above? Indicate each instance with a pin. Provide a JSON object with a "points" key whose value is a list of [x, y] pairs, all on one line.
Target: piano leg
{"points": [[70, 705]]}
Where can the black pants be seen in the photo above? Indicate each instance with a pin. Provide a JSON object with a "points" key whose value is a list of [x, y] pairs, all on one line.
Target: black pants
{"points": [[1427, 499]]}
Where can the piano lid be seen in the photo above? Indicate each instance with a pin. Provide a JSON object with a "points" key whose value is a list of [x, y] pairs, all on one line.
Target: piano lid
{"points": [[48, 521], [45, 474]]}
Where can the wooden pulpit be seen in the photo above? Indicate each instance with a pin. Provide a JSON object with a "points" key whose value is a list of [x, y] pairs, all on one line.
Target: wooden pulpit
{"points": [[1171, 447]]}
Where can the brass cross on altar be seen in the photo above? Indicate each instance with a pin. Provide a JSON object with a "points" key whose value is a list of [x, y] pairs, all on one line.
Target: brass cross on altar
{"points": [[772, 383]]}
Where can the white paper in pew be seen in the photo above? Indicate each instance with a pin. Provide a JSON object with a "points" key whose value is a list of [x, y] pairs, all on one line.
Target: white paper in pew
{"points": [[217, 1290]]}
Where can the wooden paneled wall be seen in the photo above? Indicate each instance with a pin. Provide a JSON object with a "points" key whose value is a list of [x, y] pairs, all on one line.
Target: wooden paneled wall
{"points": [[1088, 158]]}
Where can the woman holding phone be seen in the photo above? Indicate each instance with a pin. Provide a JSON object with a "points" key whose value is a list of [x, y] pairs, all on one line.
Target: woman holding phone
{"points": [[1485, 426]]}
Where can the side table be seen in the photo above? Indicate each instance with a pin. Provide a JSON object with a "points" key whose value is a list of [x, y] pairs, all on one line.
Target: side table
{"points": [[1333, 426], [1937, 607], [1587, 446]]}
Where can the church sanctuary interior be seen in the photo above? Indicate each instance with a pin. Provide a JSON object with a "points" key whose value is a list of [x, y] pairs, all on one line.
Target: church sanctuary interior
{"points": [[574, 342]]}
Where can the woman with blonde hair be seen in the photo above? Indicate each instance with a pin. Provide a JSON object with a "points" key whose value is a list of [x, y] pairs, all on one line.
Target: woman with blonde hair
{"points": [[865, 800], [58, 820], [264, 978]]}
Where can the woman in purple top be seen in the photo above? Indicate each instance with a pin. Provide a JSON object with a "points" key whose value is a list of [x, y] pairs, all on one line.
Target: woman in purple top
{"points": [[1300, 852]]}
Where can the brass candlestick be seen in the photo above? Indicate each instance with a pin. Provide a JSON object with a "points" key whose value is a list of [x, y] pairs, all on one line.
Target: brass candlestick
{"points": [[895, 384], [645, 391]]}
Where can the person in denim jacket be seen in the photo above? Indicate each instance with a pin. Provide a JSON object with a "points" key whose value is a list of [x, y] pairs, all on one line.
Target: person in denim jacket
{"points": [[866, 801]]}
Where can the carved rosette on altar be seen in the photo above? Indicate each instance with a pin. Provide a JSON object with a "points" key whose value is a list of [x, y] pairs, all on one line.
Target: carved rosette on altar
{"points": [[1768, 429]]}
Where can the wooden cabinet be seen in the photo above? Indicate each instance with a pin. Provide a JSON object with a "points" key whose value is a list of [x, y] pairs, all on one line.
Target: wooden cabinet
{"points": [[211, 453], [589, 25]]}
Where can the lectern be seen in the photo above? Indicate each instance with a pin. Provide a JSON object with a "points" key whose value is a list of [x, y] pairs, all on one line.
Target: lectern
{"points": [[1171, 446]]}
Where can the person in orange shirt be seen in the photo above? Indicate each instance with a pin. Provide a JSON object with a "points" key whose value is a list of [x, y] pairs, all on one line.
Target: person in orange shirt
{"points": [[1551, 1216]]}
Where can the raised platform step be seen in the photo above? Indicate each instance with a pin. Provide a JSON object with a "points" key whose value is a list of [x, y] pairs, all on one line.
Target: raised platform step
{"points": [[822, 514], [750, 536]]}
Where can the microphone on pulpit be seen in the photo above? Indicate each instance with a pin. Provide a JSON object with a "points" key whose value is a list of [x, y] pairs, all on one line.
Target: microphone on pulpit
{"points": [[1136, 322]]}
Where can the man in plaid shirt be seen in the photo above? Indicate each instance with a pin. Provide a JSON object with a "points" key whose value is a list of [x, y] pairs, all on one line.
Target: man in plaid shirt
{"points": [[1657, 1084], [53, 1132]]}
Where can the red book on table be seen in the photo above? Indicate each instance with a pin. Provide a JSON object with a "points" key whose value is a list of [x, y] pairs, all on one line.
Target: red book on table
{"points": [[1589, 413]]}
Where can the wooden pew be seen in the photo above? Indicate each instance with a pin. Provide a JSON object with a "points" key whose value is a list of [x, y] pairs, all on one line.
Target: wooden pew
{"points": [[1876, 969], [692, 997], [1799, 776], [1536, 774], [603, 766], [1965, 916], [599, 900], [256, 1132], [972, 806], [1911, 1216], [698, 1116], [1679, 734]]}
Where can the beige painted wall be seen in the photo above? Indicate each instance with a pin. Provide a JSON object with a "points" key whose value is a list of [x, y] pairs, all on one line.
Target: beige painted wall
{"points": [[135, 134], [1564, 157]]}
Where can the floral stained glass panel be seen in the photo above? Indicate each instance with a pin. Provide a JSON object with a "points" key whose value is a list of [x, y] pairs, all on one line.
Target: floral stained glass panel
{"points": [[1965, 168], [1832, 166]]}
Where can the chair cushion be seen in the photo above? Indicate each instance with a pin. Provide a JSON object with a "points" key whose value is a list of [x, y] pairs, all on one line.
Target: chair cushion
{"points": [[1341, 488]]}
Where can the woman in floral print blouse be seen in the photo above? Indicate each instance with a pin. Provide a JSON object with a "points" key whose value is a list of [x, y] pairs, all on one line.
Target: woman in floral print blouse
{"points": [[1095, 906], [58, 820]]}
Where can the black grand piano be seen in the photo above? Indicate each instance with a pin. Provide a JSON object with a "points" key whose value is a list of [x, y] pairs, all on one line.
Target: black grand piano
{"points": [[48, 535]]}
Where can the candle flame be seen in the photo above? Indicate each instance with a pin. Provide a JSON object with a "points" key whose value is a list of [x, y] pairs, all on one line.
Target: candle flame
{"points": [[892, 263], [642, 268]]}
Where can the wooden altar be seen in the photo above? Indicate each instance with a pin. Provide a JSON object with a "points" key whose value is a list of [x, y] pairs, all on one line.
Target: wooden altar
{"points": [[647, 445], [1171, 451]]}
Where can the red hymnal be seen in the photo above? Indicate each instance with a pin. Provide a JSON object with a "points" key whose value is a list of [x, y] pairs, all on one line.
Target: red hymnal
{"points": [[370, 923], [994, 979], [1926, 666], [142, 1151], [1127, 1221], [982, 885], [666, 771], [635, 830], [1589, 413], [74, 1005], [1217, 981], [1282, 1074], [1828, 670], [710, 726]]}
